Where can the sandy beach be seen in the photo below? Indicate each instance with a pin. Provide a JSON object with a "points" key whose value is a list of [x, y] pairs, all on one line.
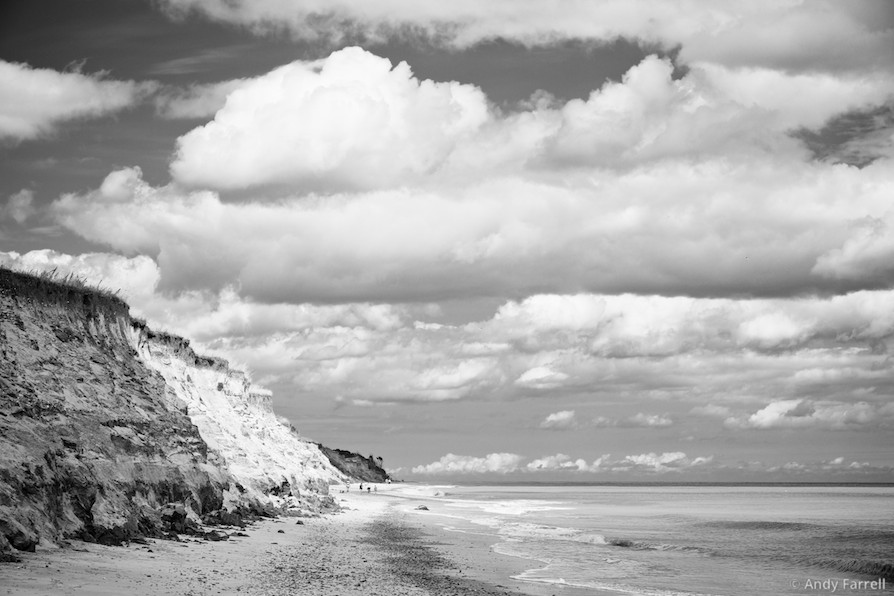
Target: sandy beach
{"points": [[380, 544]]}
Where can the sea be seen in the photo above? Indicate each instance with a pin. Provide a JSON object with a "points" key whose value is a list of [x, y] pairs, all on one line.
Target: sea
{"points": [[669, 540]]}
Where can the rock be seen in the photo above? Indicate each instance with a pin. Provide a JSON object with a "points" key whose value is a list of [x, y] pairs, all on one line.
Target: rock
{"points": [[216, 536], [299, 523], [280, 531], [421, 508], [6, 554], [17, 536], [222, 517], [105, 427], [173, 514], [175, 519]]}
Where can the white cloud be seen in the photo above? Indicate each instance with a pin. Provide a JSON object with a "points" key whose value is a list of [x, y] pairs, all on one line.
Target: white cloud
{"points": [[355, 121], [541, 377], [804, 414], [494, 463], [34, 101], [559, 420], [867, 254], [20, 206], [631, 349], [791, 35], [134, 278], [665, 462], [507, 236], [560, 461], [348, 121], [504, 463]]}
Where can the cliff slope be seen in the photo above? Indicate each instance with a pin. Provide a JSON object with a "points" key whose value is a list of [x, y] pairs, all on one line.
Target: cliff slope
{"points": [[237, 421], [355, 465], [103, 422]]}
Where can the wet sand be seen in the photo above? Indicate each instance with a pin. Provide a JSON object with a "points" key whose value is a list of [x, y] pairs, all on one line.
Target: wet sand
{"points": [[380, 545]]}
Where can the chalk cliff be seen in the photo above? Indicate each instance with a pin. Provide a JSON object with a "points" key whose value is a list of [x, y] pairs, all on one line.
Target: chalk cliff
{"points": [[103, 422]]}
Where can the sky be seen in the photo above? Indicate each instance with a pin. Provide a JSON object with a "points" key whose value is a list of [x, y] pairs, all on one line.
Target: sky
{"points": [[515, 240]]}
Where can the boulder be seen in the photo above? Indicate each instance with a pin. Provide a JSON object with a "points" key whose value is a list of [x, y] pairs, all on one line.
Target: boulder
{"points": [[175, 519], [6, 554], [216, 536], [17, 536], [222, 517]]}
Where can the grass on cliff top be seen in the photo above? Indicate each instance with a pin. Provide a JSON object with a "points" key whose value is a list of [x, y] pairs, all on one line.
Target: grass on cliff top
{"points": [[58, 287]]}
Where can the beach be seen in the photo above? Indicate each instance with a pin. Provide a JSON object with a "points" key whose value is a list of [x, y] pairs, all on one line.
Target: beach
{"points": [[421, 540], [378, 545]]}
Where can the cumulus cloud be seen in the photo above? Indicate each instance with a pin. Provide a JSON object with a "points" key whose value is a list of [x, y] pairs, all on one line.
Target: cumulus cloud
{"points": [[19, 207], [560, 461], [559, 420], [207, 317], [634, 348], [134, 278], [804, 414], [807, 36], [351, 120], [34, 101], [355, 121], [629, 347], [665, 462], [651, 185], [867, 254], [504, 463], [501, 237], [493, 463], [541, 377]]}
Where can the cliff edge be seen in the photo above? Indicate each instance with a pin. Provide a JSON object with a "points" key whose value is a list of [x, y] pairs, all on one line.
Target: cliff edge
{"points": [[104, 423], [367, 469]]}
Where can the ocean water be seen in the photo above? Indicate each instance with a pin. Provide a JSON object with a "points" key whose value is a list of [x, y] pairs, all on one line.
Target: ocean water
{"points": [[675, 540]]}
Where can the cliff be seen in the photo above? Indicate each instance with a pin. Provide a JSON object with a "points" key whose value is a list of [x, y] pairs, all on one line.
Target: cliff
{"points": [[366, 469], [104, 422]]}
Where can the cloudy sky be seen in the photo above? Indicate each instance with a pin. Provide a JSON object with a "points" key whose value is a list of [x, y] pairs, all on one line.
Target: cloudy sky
{"points": [[571, 240]]}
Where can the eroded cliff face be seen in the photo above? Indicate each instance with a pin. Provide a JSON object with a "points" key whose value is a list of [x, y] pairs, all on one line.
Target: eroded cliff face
{"points": [[237, 422], [103, 422], [355, 465]]}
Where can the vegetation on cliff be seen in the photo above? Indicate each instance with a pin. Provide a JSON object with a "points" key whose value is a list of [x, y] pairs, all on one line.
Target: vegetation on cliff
{"points": [[92, 445], [367, 469], [110, 430]]}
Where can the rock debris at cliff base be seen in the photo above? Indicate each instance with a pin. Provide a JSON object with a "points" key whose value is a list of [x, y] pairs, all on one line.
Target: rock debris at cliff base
{"points": [[370, 549], [105, 422]]}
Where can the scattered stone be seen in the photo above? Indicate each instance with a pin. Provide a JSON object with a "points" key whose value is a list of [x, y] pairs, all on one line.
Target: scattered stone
{"points": [[222, 517], [280, 531], [422, 508], [215, 536], [299, 523]]}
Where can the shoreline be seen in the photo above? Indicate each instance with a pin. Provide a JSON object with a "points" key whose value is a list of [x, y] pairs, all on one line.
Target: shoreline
{"points": [[378, 544]]}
